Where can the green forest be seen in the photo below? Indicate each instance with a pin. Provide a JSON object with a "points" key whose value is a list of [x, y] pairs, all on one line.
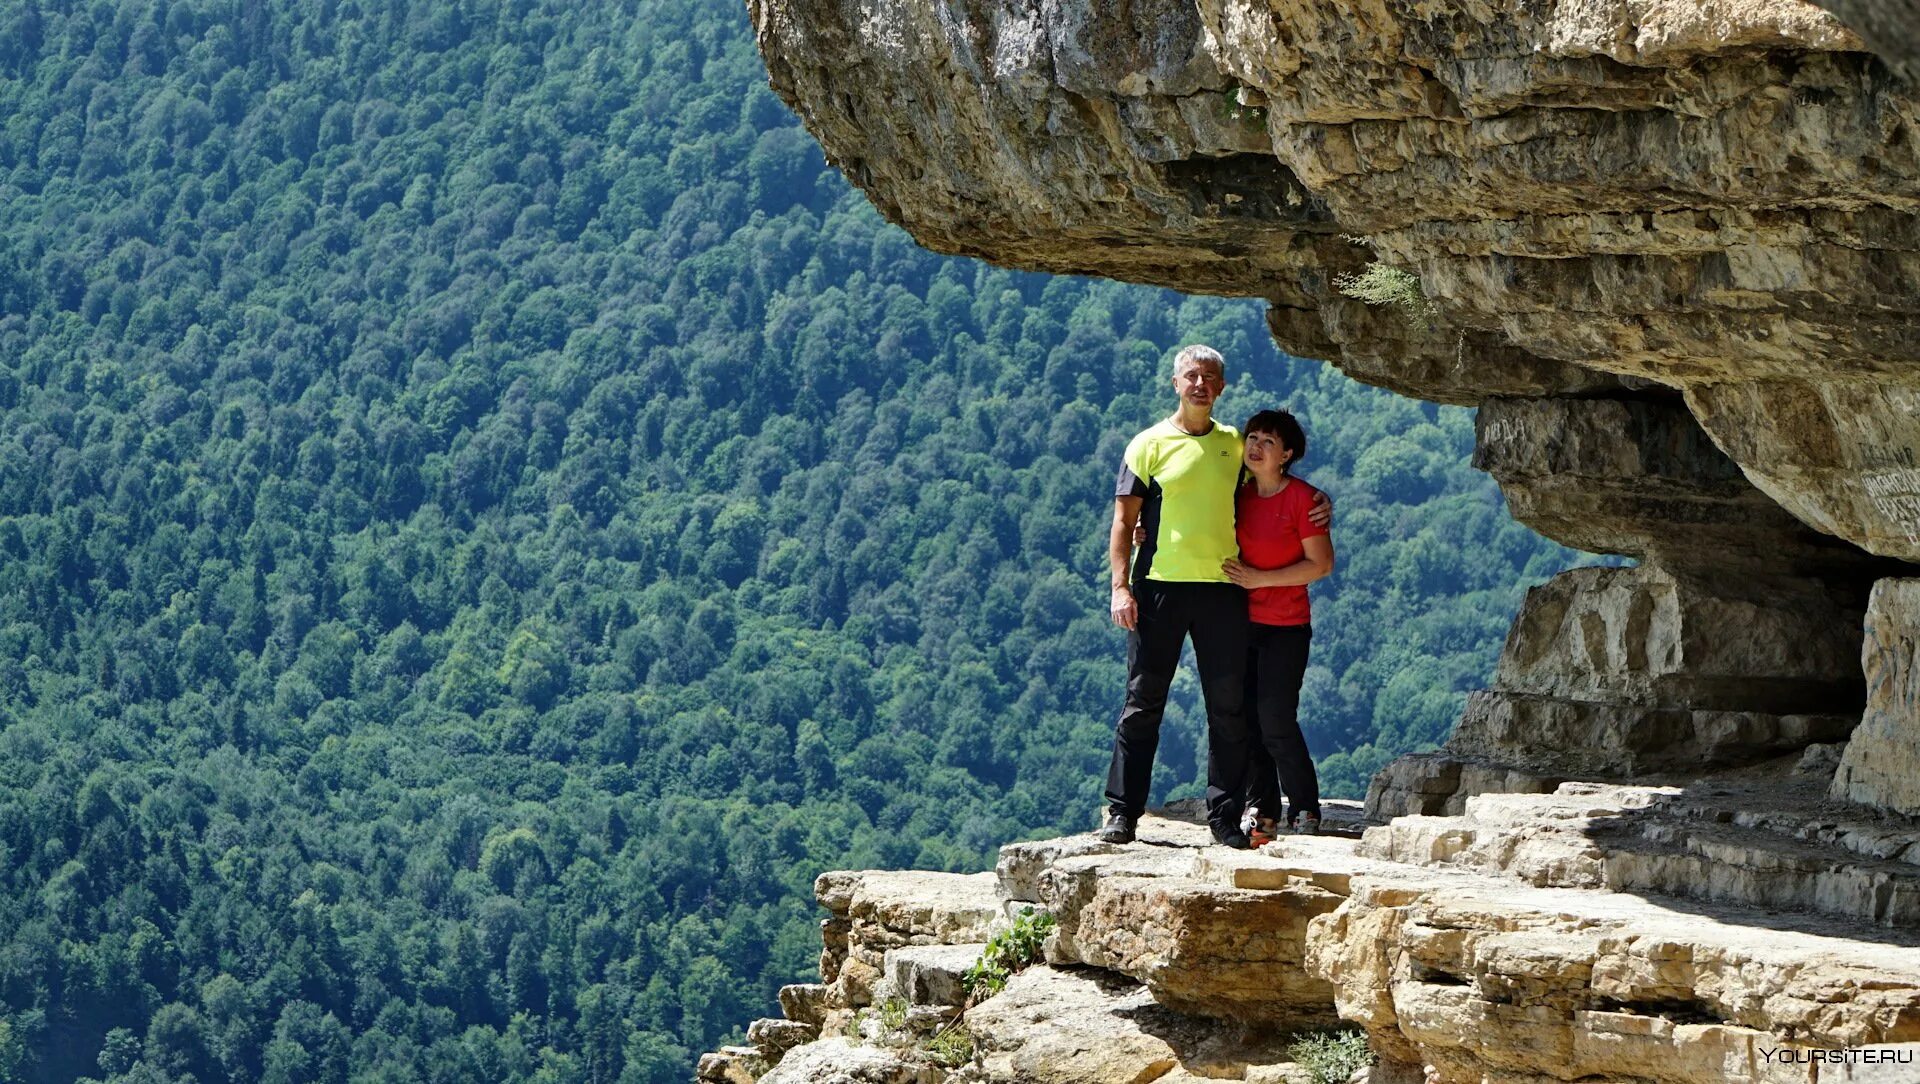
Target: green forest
{"points": [[488, 515]]}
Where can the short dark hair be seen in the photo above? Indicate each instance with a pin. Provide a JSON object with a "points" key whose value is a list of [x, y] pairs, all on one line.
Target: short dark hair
{"points": [[1284, 426]]}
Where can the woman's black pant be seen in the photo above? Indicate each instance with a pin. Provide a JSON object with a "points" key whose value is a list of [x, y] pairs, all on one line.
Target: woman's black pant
{"points": [[1278, 760]]}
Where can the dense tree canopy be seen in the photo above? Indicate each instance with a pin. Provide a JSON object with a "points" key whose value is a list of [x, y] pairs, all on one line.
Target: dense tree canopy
{"points": [[487, 516]]}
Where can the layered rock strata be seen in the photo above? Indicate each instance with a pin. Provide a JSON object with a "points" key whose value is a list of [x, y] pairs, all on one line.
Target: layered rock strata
{"points": [[1603, 932], [1736, 637], [1881, 766], [1686, 229], [1716, 197]]}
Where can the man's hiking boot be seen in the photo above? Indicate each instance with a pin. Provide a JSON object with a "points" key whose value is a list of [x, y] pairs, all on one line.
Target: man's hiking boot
{"points": [[1231, 836], [1308, 825], [1118, 829]]}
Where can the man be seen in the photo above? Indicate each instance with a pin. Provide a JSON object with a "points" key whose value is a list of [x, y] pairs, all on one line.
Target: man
{"points": [[1177, 484]]}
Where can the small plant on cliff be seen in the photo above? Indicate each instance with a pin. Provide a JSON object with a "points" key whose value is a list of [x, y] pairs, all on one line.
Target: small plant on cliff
{"points": [[893, 1014], [1383, 285], [952, 1047], [1330, 1057], [1007, 952], [1244, 103]]}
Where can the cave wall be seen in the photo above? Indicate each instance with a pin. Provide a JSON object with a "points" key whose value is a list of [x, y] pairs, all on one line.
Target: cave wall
{"points": [[1671, 251]]}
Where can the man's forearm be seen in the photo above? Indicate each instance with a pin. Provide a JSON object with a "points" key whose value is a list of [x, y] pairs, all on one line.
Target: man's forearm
{"points": [[1119, 553]]}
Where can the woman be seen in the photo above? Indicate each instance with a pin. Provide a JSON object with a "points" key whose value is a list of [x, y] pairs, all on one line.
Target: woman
{"points": [[1281, 551]]}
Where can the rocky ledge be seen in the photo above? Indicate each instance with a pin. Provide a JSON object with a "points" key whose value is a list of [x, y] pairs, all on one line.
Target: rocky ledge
{"points": [[1720, 931]]}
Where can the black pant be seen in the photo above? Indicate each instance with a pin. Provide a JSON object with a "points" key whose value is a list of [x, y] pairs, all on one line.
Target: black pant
{"points": [[1215, 614], [1278, 760]]}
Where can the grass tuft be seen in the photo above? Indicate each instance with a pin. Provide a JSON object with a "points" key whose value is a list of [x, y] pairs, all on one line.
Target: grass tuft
{"points": [[1330, 1057]]}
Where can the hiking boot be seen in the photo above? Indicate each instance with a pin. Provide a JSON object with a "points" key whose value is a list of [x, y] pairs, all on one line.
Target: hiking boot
{"points": [[1231, 836], [1308, 825], [1265, 830], [1118, 829]]}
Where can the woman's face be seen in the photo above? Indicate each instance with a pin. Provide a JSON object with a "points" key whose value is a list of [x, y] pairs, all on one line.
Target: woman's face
{"points": [[1264, 452]]}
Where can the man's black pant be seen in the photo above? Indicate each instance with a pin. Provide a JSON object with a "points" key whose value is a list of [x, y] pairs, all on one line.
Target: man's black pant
{"points": [[1215, 615], [1276, 664]]}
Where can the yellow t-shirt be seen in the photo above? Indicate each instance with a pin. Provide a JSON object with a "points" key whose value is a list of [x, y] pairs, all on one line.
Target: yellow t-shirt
{"points": [[1187, 482]]}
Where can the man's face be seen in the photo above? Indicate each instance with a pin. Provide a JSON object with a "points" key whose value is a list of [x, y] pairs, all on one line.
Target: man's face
{"points": [[1199, 383]]}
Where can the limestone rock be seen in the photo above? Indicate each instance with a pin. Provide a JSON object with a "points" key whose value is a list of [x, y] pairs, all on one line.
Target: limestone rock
{"points": [[834, 889], [1761, 842], [834, 934], [1162, 916], [730, 1065], [1437, 784], [774, 1037], [1647, 636], [1497, 983], [1639, 476], [1021, 864], [843, 1061], [938, 908], [1881, 766], [1664, 934], [1206, 949], [931, 974], [1609, 740], [804, 1002], [1714, 197], [1051, 1026]]}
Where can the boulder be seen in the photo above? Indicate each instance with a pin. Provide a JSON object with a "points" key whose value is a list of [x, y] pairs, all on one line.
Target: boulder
{"points": [[773, 1037], [932, 974], [804, 1002], [844, 1061], [1053, 1026]]}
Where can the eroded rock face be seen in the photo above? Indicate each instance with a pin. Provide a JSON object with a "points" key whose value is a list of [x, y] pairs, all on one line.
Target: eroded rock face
{"points": [[1716, 197], [1881, 766]]}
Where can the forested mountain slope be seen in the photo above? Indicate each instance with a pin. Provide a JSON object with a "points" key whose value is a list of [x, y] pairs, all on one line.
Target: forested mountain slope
{"points": [[485, 516]]}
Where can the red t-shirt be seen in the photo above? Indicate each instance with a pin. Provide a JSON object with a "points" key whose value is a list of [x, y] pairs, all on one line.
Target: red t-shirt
{"points": [[1270, 531]]}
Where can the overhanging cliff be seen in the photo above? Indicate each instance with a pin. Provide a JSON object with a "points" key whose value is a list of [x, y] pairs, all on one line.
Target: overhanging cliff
{"points": [[1673, 244], [1671, 252]]}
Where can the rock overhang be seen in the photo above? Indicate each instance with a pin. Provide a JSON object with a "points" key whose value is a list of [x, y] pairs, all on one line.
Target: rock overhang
{"points": [[1598, 197]]}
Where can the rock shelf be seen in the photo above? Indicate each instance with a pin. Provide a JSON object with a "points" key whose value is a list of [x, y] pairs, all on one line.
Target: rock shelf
{"points": [[1599, 931]]}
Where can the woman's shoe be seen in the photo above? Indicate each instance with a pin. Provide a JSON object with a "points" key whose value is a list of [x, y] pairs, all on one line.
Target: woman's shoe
{"points": [[1308, 825], [1264, 831]]}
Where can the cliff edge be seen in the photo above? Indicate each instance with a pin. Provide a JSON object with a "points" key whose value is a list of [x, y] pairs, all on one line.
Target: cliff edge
{"points": [[1592, 933], [1671, 252]]}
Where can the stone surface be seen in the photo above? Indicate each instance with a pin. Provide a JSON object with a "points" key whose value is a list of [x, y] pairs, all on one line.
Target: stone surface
{"points": [[843, 1061], [1051, 1026], [1205, 948], [941, 908], [1639, 476], [889, 909], [1596, 739], [1763, 841], [1659, 934], [734, 1065], [1485, 981], [1651, 637], [931, 974], [773, 1037], [1881, 765], [1436, 784], [804, 1002], [1161, 911]]}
